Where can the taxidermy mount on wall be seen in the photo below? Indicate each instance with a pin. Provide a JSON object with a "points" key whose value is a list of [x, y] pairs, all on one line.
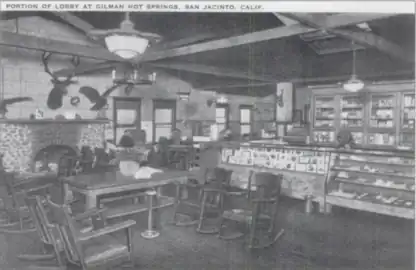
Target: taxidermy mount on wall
{"points": [[9, 101], [99, 100], [59, 90]]}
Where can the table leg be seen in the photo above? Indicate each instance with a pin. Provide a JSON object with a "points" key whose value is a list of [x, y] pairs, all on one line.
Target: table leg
{"points": [[90, 201]]}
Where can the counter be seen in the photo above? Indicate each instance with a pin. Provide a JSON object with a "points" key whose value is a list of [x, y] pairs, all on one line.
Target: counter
{"points": [[310, 170], [304, 168]]}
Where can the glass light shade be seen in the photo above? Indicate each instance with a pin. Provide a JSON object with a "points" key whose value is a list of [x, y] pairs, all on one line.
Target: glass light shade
{"points": [[353, 85], [126, 46], [222, 100], [183, 96]]}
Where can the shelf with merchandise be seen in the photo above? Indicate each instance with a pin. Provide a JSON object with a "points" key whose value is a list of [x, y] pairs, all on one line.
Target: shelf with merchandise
{"points": [[352, 112], [324, 115], [384, 185], [382, 111]]}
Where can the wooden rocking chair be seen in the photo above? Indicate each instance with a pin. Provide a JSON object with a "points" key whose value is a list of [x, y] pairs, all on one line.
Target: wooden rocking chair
{"points": [[258, 212], [94, 249], [48, 233], [216, 178]]}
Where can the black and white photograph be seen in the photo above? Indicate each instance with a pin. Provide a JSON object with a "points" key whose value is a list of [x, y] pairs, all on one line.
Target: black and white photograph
{"points": [[207, 135]]}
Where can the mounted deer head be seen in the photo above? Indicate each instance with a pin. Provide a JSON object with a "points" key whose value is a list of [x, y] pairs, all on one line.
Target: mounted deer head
{"points": [[59, 90]]}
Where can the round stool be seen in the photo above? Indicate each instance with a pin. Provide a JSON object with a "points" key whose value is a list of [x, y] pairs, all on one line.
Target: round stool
{"points": [[150, 233]]}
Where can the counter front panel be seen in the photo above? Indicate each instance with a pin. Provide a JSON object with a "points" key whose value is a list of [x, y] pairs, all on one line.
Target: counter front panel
{"points": [[304, 169]]}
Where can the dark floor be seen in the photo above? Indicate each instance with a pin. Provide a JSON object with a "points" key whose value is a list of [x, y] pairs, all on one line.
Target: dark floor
{"points": [[343, 240]]}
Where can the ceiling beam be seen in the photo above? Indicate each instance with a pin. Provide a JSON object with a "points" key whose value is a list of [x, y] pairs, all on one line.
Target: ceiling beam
{"points": [[10, 39], [85, 69], [264, 35], [212, 70], [75, 21], [318, 80], [285, 20], [185, 41], [359, 36]]}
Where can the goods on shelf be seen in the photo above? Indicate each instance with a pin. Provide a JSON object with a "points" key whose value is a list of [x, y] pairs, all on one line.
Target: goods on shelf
{"points": [[379, 181], [277, 158], [351, 111], [324, 136], [381, 138]]}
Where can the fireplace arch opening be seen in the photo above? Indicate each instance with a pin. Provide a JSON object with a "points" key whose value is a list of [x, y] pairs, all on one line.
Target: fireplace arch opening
{"points": [[47, 158]]}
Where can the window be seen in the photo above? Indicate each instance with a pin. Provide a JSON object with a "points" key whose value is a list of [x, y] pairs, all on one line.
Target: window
{"points": [[126, 116], [245, 119], [164, 118], [221, 116]]}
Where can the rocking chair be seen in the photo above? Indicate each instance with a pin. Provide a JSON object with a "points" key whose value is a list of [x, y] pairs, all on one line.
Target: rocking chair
{"points": [[217, 178], [94, 249], [258, 212]]}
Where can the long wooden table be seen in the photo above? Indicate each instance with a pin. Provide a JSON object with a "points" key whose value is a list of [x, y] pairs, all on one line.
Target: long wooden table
{"points": [[94, 185]]}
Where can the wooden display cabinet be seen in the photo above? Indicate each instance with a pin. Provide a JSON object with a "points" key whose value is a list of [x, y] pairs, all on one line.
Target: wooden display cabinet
{"points": [[381, 116], [376, 182]]}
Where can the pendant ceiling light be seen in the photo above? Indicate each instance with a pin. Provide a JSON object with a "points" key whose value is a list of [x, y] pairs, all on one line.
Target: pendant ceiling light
{"points": [[354, 84], [125, 41]]}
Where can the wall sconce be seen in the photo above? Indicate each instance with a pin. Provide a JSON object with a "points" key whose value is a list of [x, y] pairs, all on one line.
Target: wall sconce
{"points": [[184, 96], [222, 100]]}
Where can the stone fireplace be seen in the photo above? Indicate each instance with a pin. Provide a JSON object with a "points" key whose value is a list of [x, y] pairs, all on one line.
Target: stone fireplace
{"points": [[24, 141]]}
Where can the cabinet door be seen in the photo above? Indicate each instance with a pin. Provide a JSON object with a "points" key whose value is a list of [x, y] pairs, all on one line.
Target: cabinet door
{"points": [[324, 119], [382, 111], [407, 120], [408, 111], [352, 112]]}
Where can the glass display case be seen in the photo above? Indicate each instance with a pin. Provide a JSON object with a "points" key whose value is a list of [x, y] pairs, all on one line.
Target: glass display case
{"points": [[324, 112], [352, 112], [382, 183], [381, 139], [408, 112], [381, 119], [382, 111]]}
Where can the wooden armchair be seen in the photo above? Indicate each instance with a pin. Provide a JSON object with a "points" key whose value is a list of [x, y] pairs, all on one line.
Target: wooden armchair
{"points": [[216, 178], [98, 248], [48, 232], [12, 194], [258, 212]]}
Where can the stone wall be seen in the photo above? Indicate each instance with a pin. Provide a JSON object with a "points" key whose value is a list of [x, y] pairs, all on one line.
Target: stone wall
{"points": [[21, 140]]}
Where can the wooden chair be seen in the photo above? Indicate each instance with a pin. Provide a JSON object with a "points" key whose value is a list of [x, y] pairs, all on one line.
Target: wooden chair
{"points": [[12, 196], [258, 212], [98, 248], [216, 178]]}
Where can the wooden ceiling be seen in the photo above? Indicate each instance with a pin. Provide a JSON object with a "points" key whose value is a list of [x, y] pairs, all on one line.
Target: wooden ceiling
{"points": [[246, 53]]}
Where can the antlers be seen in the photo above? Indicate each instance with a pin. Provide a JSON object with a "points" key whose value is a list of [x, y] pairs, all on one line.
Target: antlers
{"points": [[75, 61]]}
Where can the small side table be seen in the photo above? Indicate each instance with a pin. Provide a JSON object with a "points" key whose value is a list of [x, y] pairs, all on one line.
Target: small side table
{"points": [[150, 233]]}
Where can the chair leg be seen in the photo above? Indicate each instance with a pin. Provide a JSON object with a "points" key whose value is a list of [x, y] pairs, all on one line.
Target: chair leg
{"points": [[253, 226], [177, 203]]}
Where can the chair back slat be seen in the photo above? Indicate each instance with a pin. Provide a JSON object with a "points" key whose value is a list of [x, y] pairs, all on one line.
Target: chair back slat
{"points": [[60, 215], [218, 176], [39, 223]]}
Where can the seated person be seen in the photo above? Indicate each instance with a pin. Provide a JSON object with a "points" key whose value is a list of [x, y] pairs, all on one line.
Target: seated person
{"points": [[225, 135], [156, 157], [176, 136], [126, 140], [345, 140], [141, 137]]}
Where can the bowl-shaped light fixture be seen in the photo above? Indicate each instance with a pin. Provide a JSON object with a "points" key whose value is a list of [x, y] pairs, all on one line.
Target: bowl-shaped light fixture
{"points": [[126, 41], [126, 46], [353, 84]]}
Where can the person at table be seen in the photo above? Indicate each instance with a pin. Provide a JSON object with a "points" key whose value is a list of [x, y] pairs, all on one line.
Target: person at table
{"points": [[126, 140], [176, 137], [156, 157]]}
